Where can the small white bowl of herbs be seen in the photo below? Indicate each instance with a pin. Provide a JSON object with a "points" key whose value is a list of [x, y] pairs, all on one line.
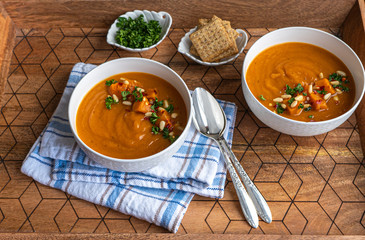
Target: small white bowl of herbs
{"points": [[139, 31]]}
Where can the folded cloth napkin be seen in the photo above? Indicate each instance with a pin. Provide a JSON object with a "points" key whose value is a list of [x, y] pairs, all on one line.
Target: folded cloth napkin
{"points": [[159, 195]]}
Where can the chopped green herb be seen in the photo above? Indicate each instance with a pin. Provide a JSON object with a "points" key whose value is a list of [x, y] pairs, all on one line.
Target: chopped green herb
{"points": [[170, 108], [291, 100], [289, 90], [335, 77], [279, 108], [138, 96], [321, 92], [262, 98], [137, 33], [110, 82], [172, 138], [311, 116], [307, 109], [304, 94], [300, 106], [343, 88], [165, 132], [155, 130], [109, 101], [299, 88], [156, 104], [292, 91], [154, 118], [125, 94]]}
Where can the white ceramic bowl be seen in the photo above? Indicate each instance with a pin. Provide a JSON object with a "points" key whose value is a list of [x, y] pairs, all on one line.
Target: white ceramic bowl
{"points": [[163, 18], [320, 39], [121, 65], [185, 44]]}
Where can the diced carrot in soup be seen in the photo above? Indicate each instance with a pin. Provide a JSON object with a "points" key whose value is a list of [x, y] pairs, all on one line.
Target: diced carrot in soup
{"points": [[317, 101], [295, 111], [117, 89], [164, 116], [142, 106], [326, 84], [151, 93]]}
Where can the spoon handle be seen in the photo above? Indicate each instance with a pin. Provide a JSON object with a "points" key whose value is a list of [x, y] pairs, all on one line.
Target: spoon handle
{"points": [[246, 203], [259, 201]]}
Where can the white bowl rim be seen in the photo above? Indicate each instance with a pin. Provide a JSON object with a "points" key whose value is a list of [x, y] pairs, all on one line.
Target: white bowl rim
{"points": [[141, 49], [296, 121], [134, 160]]}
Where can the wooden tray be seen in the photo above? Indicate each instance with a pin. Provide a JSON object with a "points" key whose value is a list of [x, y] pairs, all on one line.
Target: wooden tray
{"points": [[314, 185]]}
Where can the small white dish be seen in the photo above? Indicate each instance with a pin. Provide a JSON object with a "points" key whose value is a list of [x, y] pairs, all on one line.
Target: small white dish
{"points": [[185, 44], [164, 19]]}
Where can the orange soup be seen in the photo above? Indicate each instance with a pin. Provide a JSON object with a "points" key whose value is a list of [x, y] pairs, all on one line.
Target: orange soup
{"points": [[131, 115], [301, 81]]}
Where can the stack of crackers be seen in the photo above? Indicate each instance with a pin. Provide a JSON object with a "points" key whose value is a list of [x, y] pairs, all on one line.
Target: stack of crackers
{"points": [[214, 40]]}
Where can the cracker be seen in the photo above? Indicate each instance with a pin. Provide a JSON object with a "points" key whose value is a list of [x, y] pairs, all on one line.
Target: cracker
{"points": [[211, 40], [203, 21], [193, 51], [228, 53]]}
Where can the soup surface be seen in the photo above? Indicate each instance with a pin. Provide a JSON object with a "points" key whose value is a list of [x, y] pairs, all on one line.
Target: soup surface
{"points": [[301, 81], [131, 115]]}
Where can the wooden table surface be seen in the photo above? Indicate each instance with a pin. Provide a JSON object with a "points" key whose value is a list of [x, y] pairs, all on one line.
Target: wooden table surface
{"points": [[314, 185]]}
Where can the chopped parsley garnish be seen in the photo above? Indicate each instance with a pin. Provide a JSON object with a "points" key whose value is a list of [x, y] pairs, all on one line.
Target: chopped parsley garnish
{"points": [[304, 94], [279, 108], [155, 130], [311, 116], [289, 90], [292, 91], [154, 118], [125, 94], [300, 106], [165, 134], [138, 96], [341, 79], [321, 92], [170, 108], [109, 101], [299, 88], [156, 104], [291, 100], [110, 82], [262, 98], [335, 77], [307, 109], [137, 33], [343, 88]]}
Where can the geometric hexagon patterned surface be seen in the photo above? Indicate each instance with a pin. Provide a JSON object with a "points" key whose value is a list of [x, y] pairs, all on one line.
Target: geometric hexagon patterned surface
{"points": [[313, 185]]}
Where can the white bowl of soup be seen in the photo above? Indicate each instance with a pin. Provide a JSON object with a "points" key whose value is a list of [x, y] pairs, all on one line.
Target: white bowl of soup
{"points": [[130, 114], [302, 81]]}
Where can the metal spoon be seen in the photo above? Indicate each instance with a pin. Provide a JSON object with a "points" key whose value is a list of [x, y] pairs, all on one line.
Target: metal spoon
{"points": [[210, 120]]}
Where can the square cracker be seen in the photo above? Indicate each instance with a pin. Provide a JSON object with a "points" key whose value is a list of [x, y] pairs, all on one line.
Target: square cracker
{"points": [[211, 40], [193, 51]]}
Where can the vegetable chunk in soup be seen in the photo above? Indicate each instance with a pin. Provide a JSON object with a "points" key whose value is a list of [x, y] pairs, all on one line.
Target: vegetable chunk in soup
{"points": [[131, 115], [301, 81]]}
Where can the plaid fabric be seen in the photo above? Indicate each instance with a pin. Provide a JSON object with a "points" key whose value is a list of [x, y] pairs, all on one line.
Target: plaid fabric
{"points": [[159, 195]]}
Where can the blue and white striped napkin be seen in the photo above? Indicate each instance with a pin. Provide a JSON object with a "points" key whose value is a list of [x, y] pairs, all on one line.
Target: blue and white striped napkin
{"points": [[159, 195]]}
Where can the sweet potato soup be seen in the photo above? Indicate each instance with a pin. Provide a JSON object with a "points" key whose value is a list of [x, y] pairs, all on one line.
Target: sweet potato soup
{"points": [[131, 115], [301, 81]]}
